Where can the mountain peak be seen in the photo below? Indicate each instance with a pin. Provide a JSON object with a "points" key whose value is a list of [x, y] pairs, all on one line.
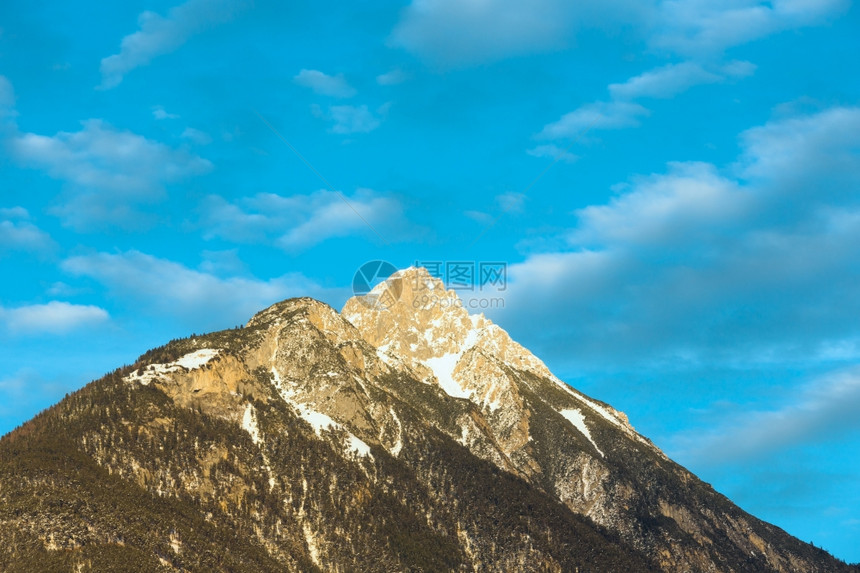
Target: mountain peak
{"points": [[315, 441], [412, 317], [413, 288], [289, 306]]}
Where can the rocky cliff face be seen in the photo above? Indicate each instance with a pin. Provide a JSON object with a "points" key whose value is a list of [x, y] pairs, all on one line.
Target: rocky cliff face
{"points": [[405, 436]]}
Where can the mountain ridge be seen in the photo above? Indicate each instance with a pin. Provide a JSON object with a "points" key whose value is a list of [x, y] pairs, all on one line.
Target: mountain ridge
{"points": [[316, 440]]}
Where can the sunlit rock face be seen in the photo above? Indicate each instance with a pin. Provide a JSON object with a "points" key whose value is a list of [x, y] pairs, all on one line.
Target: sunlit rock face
{"points": [[400, 434]]}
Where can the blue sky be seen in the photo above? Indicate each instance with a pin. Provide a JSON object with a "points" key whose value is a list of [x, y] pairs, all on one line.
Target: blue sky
{"points": [[674, 186]]}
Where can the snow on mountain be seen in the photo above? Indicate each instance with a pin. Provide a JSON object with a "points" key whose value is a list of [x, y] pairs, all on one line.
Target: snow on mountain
{"points": [[428, 328]]}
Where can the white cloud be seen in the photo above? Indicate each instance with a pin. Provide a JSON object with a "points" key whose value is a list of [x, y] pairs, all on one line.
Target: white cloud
{"points": [[222, 262], [307, 219], [158, 112], [479, 216], [159, 35], [14, 213], [195, 297], [392, 78], [17, 233], [108, 169], [456, 32], [347, 119], [661, 209], [197, 136], [54, 317], [324, 84], [511, 202], [553, 152], [824, 145], [621, 112], [239, 222], [738, 69], [697, 264], [104, 157], [598, 115], [664, 82], [332, 217], [353, 119], [699, 27]]}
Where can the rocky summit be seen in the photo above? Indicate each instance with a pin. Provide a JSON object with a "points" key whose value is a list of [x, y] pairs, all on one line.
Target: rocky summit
{"points": [[402, 434]]}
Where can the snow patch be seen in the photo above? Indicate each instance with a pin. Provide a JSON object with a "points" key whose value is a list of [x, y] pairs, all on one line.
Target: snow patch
{"points": [[386, 358], [575, 417], [443, 369], [190, 361], [471, 339], [610, 417], [197, 358], [398, 447], [318, 420], [495, 403], [603, 412], [249, 423], [356, 445]]}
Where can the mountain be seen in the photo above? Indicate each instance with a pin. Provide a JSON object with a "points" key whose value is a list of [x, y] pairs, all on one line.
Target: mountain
{"points": [[402, 434]]}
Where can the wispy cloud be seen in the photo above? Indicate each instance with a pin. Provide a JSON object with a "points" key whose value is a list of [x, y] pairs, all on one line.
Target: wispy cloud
{"points": [[158, 112], [511, 202], [553, 152], [298, 222], [353, 119], [101, 156], [756, 258], [108, 170], [806, 152], [710, 26], [55, 317], [158, 35], [623, 112], [392, 78], [825, 410], [665, 81], [324, 84], [349, 119], [186, 294], [17, 233], [598, 115], [452, 32], [197, 136]]}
